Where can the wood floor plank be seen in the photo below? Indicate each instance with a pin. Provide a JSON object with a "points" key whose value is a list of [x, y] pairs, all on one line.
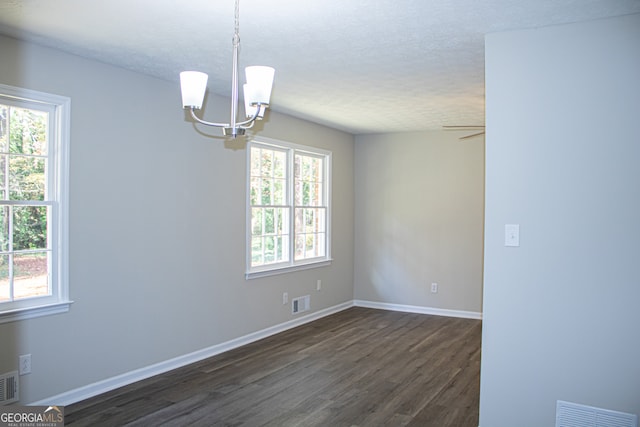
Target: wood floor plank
{"points": [[357, 368]]}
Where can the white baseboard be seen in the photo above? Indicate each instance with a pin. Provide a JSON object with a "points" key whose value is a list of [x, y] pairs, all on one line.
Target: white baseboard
{"points": [[91, 390], [418, 309]]}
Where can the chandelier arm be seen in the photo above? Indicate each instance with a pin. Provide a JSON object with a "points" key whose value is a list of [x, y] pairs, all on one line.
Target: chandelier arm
{"points": [[199, 120], [249, 126], [252, 120]]}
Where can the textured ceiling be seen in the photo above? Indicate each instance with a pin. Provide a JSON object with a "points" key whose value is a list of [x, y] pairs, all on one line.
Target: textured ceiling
{"points": [[364, 66]]}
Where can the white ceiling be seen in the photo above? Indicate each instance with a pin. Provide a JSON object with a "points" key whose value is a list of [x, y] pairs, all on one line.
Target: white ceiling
{"points": [[364, 66]]}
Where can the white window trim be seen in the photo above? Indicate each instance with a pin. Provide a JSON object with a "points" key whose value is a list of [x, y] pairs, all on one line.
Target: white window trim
{"points": [[292, 265], [59, 302]]}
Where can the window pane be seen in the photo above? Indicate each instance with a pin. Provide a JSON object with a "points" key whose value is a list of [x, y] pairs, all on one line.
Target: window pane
{"points": [[257, 221], [28, 131], [310, 233], [4, 278], [279, 192], [3, 183], [29, 227], [269, 221], [255, 162], [309, 194], [269, 163], [4, 228], [317, 170], [299, 193], [266, 162], [26, 178], [310, 220], [308, 168], [310, 246], [268, 177], [282, 252], [271, 249], [309, 181], [310, 162], [316, 245], [318, 194], [268, 250], [270, 240], [280, 164], [275, 249], [254, 191], [30, 275], [265, 191], [256, 251], [4, 127]]}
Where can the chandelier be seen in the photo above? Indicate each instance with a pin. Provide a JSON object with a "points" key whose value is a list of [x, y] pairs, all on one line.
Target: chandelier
{"points": [[257, 91]]}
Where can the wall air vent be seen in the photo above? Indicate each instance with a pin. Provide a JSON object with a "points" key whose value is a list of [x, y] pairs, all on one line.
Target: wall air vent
{"points": [[9, 391], [574, 415], [298, 305]]}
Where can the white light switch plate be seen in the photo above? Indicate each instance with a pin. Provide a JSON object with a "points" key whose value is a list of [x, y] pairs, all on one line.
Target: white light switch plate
{"points": [[512, 234]]}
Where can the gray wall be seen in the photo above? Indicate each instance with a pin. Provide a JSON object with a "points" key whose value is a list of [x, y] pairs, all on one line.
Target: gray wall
{"points": [[561, 316], [157, 228], [419, 210]]}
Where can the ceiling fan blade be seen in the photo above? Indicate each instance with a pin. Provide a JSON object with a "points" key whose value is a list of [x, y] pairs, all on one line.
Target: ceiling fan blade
{"points": [[472, 135]]}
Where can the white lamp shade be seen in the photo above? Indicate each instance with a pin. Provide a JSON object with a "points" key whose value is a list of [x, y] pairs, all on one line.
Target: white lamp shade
{"points": [[193, 85], [249, 94], [260, 80]]}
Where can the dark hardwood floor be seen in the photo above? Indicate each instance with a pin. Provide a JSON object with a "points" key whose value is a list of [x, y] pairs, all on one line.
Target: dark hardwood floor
{"points": [[360, 367]]}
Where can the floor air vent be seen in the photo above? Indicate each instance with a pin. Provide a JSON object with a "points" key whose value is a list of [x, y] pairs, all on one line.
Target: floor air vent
{"points": [[9, 388], [298, 305], [574, 415]]}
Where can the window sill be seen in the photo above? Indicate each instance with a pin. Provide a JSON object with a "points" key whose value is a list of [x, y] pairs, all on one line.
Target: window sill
{"points": [[288, 269], [32, 312]]}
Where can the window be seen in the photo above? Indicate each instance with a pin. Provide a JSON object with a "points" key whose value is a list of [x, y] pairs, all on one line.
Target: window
{"points": [[34, 140], [288, 220]]}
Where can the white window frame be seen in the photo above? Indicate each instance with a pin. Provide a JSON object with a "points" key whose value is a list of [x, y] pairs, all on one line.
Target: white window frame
{"points": [[57, 192], [291, 264]]}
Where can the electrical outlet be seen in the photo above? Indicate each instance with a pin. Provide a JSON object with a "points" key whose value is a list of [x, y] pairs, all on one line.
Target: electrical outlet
{"points": [[25, 364], [285, 298], [319, 285], [434, 288]]}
